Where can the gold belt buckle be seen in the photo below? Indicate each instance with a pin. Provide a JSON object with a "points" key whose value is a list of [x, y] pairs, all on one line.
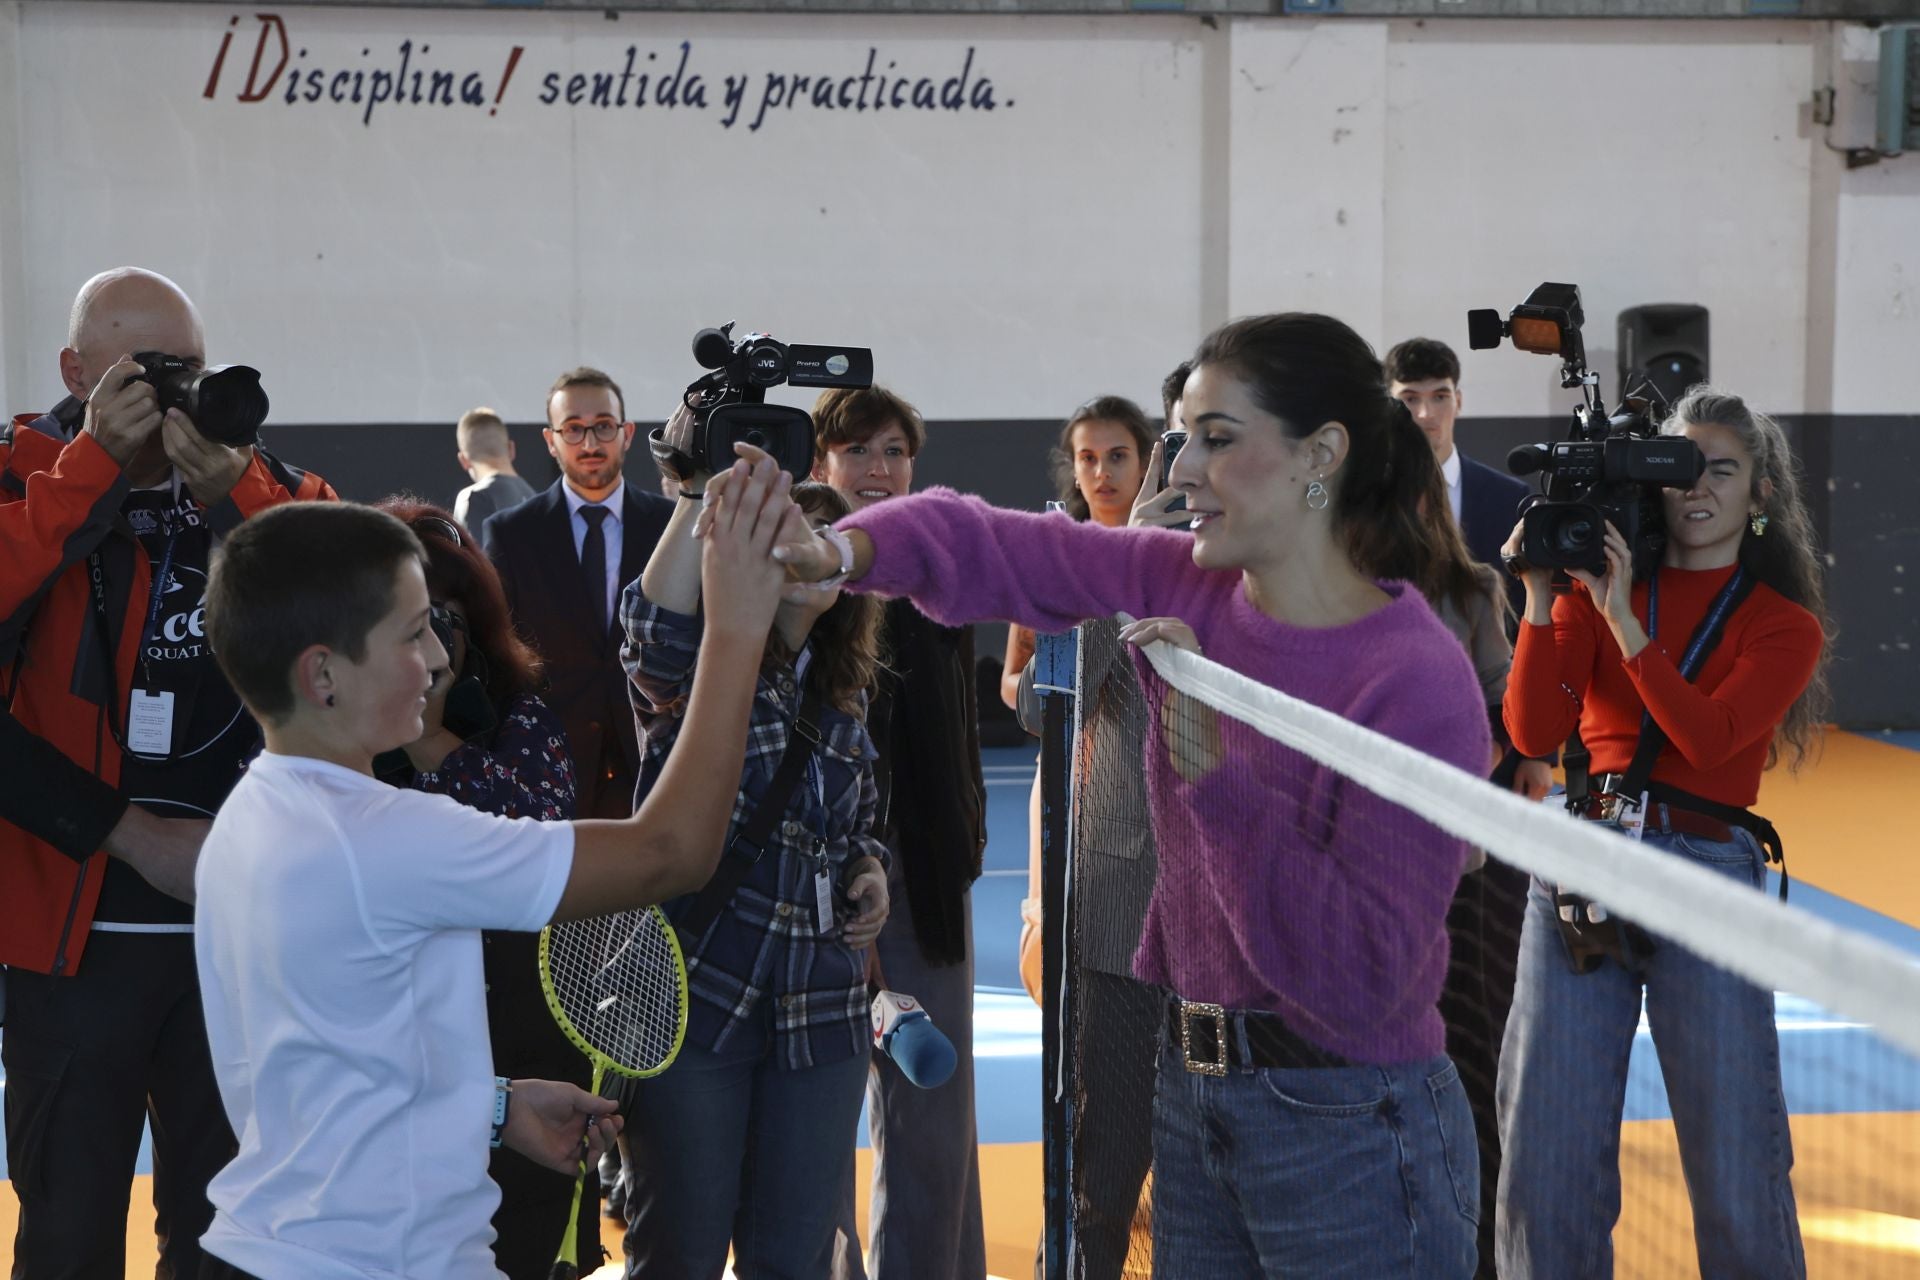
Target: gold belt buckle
{"points": [[1188, 1012]]}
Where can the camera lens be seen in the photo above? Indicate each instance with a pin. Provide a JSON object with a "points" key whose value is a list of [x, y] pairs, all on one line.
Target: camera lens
{"points": [[1573, 535], [226, 403]]}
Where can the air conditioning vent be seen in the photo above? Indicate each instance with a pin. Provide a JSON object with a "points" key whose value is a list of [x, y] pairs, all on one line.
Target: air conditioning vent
{"points": [[1899, 128]]}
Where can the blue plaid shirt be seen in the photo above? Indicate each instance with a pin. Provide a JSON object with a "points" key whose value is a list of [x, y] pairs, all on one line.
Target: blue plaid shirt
{"points": [[766, 943]]}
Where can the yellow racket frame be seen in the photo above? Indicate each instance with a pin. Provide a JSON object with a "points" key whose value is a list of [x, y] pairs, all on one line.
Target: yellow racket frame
{"points": [[567, 1265], [601, 1062]]}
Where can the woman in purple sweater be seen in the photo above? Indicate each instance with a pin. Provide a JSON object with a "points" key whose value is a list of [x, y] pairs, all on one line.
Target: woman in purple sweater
{"points": [[1312, 1124]]}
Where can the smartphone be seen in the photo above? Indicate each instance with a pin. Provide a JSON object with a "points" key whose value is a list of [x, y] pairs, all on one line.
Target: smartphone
{"points": [[1171, 443]]}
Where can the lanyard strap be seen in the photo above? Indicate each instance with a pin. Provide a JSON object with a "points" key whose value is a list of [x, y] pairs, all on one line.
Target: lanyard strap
{"points": [[1705, 636], [750, 841], [1652, 737], [162, 574], [96, 574]]}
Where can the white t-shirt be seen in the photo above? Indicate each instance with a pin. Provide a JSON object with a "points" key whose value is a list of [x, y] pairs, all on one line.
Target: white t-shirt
{"points": [[337, 934]]}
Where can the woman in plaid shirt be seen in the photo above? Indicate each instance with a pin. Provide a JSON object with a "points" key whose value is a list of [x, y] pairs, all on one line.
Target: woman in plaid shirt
{"points": [[748, 1138]]}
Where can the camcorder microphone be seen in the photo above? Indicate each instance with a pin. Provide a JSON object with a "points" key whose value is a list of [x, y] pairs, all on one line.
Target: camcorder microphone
{"points": [[905, 1032], [1526, 459]]}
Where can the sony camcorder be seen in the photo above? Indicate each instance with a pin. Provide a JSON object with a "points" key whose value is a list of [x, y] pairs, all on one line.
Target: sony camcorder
{"points": [[1609, 469]]}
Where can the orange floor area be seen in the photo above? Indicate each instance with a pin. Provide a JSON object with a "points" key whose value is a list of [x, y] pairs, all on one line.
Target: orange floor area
{"points": [[1009, 1180], [1854, 1176], [1010, 1186], [1840, 820], [1859, 1202]]}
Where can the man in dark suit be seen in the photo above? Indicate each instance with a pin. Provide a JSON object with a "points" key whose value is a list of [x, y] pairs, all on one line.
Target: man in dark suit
{"points": [[564, 556], [1424, 375]]}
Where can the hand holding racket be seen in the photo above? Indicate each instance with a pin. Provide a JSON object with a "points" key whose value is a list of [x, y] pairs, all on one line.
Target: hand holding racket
{"points": [[617, 985], [550, 1122]]}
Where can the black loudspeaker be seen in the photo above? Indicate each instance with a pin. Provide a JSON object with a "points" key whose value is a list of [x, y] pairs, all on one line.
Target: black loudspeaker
{"points": [[1663, 344]]}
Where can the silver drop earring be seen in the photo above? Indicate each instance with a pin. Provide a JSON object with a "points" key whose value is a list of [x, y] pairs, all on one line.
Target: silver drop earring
{"points": [[1317, 495]]}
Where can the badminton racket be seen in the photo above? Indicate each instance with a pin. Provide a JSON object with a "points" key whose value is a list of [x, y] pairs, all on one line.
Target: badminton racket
{"points": [[617, 985]]}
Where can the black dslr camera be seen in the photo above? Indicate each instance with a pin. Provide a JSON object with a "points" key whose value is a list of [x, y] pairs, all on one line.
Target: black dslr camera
{"points": [[1607, 470], [224, 403], [729, 404]]}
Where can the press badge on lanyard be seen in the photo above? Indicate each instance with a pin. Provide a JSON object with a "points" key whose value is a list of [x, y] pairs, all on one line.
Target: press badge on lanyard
{"points": [[822, 870], [822, 889], [150, 722], [149, 710], [1632, 817]]}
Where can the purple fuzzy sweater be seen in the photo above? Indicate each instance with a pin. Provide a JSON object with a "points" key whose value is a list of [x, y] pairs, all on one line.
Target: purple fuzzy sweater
{"points": [[1282, 886]]}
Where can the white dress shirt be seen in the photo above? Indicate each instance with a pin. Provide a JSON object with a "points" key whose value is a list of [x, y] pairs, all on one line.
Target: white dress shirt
{"points": [[1450, 471]]}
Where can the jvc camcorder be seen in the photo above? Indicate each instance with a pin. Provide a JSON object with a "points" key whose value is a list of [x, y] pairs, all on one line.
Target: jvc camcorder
{"points": [[729, 404]]}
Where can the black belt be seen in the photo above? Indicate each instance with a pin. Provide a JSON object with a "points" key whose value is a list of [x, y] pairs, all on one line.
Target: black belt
{"points": [[1671, 809], [1589, 933], [1663, 817], [1208, 1039]]}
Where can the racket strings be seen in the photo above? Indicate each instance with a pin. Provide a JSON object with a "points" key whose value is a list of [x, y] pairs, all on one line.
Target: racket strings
{"points": [[619, 985]]}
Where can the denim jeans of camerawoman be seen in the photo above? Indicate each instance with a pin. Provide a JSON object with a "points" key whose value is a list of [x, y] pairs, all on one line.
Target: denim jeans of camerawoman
{"points": [[1563, 1083], [1349, 1173]]}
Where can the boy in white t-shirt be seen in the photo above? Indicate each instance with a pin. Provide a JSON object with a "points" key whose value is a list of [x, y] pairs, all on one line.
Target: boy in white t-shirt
{"points": [[338, 919]]}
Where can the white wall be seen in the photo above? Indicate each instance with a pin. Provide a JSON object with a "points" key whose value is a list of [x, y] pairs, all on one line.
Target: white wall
{"points": [[1647, 162], [1876, 338], [14, 340], [1140, 178]]}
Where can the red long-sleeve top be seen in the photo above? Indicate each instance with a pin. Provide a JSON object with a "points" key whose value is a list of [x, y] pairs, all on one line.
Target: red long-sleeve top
{"points": [[1718, 728]]}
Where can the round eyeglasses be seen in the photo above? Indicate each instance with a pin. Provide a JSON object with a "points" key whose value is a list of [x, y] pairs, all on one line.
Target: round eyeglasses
{"points": [[601, 429]]}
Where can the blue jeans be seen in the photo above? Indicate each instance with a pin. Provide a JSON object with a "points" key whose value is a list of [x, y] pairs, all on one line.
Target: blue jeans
{"points": [[925, 1221], [729, 1148], [1364, 1173], [1563, 1083]]}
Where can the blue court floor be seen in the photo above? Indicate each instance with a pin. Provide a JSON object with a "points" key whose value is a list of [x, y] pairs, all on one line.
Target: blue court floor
{"points": [[1829, 1064]]}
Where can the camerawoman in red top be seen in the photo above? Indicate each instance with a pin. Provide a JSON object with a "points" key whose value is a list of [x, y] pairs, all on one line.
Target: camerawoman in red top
{"points": [[1597, 658]]}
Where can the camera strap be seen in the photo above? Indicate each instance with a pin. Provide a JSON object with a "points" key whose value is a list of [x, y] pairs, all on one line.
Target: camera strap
{"points": [[749, 843], [1706, 637], [1637, 781], [1589, 933]]}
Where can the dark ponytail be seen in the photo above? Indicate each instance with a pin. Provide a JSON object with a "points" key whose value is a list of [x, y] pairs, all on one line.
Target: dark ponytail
{"points": [[1390, 507], [1394, 516]]}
